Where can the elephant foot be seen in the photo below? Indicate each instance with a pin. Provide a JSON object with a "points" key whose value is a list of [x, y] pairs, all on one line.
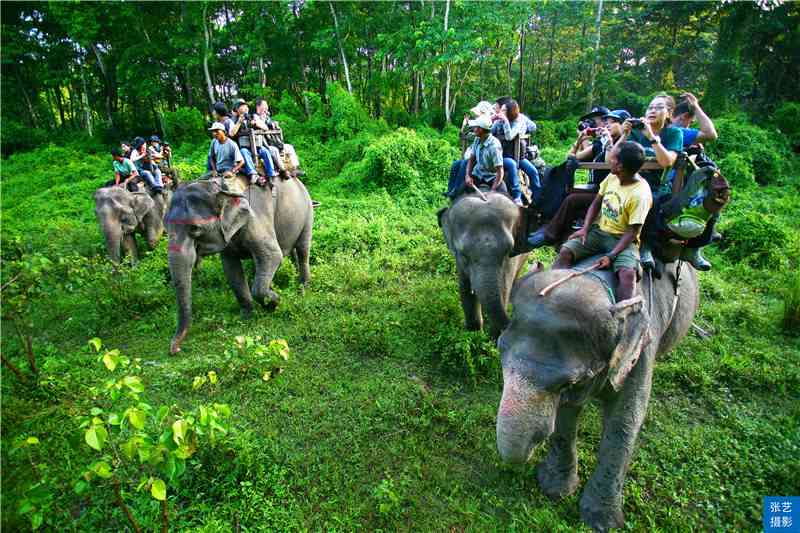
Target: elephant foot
{"points": [[175, 345], [268, 301], [556, 481], [599, 514]]}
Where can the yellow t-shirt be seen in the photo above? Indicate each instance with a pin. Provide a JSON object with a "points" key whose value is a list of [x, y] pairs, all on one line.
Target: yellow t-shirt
{"points": [[623, 205]]}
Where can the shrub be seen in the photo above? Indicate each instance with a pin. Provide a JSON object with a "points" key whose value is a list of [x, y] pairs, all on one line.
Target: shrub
{"points": [[791, 306], [757, 239], [184, 125], [17, 137], [787, 119], [347, 115], [738, 169]]}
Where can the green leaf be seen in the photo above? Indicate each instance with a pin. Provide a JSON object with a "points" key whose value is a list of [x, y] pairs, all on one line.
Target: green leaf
{"points": [[198, 382], [223, 409], [134, 383], [179, 428], [212, 377], [80, 487], [114, 419], [137, 417], [158, 490], [161, 414], [30, 441], [203, 415], [96, 411], [183, 452], [129, 448], [96, 437], [102, 469], [95, 343], [110, 361], [37, 519]]}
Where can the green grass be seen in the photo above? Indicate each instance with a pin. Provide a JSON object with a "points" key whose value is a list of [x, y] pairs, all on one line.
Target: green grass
{"points": [[377, 423]]}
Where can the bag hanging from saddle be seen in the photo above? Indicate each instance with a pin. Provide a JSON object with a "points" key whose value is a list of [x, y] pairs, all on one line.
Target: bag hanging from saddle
{"points": [[705, 194]]}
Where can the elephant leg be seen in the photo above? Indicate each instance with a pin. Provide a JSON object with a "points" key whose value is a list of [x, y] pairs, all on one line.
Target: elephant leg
{"points": [[623, 414], [152, 234], [267, 260], [129, 247], [302, 250], [234, 273], [473, 321], [558, 473]]}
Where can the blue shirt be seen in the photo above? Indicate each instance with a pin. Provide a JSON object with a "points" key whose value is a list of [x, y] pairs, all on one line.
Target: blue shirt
{"points": [[225, 155], [488, 156], [690, 136]]}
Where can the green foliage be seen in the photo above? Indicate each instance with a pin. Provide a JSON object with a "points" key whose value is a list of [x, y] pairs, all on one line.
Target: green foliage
{"points": [[757, 239], [787, 120], [184, 125], [767, 149], [791, 305], [347, 115], [467, 352], [405, 159], [550, 133], [17, 137], [738, 170]]}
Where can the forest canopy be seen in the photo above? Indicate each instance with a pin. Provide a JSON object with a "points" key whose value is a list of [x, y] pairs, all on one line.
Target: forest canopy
{"points": [[112, 70]]}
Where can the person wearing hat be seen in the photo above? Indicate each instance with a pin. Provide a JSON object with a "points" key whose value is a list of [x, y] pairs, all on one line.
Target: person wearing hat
{"points": [[154, 151], [224, 156], [508, 123], [485, 165], [149, 172], [578, 201], [242, 133], [687, 111], [592, 119]]}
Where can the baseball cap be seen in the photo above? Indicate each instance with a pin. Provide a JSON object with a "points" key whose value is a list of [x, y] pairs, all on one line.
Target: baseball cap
{"points": [[217, 126], [620, 115], [483, 122], [482, 108], [595, 112]]}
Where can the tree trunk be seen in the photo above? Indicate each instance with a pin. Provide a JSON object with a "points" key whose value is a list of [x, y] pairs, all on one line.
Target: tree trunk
{"points": [[206, 52], [341, 49], [447, 68], [87, 112], [262, 74], [60, 103], [521, 83], [550, 61], [31, 111], [593, 74], [109, 91]]}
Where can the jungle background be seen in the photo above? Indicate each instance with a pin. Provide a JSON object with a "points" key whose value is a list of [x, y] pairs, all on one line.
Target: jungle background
{"points": [[381, 415]]}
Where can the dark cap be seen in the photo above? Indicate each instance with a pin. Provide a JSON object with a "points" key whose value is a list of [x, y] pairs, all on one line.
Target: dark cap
{"points": [[238, 103], [220, 109], [116, 152], [154, 139], [138, 142], [597, 111], [620, 115]]}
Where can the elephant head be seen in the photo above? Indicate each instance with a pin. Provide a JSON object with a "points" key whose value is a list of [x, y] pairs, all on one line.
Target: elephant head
{"points": [[202, 219], [480, 234], [559, 349], [119, 213]]}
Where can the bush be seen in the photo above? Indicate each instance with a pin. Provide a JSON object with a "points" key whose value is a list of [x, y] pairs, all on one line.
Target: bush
{"points": [[400, 160], [347, 115], [791, 306], [756, 238], [787, 120], [738, 170], [17, 137], [550, 132], [184, 125]]}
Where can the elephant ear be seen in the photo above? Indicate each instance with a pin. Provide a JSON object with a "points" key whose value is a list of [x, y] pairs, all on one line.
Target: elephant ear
{"points": [[234, 212], [440, 214], [141, 203], [633, 326]]}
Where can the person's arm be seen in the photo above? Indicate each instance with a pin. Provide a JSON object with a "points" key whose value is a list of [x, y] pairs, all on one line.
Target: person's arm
{"points": [[576, 147], [498, 170], [509, 131], [212, 159], [666, 158], [116, 178], [591, 214], [707, 130], [627, 238], [135, 156], [238, 159], [259, 123], [235, 127], [470, 166]]}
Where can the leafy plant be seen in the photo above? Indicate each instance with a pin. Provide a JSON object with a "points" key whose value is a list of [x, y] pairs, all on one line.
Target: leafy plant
{"points": [[137, 444], [791, 306], [757, 239]]}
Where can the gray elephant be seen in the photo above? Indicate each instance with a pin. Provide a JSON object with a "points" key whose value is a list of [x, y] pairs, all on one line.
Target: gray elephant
{"points": [[122, 214], [204, 219], [576, 343], [480, 233]]}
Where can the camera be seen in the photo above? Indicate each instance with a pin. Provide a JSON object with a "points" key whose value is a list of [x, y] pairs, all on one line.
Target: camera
{"points": [[636, 123], [583, 124], [591, 132]]}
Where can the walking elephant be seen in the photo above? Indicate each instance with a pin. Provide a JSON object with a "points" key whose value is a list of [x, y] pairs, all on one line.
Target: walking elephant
{"points": [[576, 343], [204, 219], [480, 234], [122, 214]]}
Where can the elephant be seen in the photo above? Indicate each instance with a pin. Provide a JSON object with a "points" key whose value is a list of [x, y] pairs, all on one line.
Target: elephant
{"points": [[480, 233], [122, 214], [576, 343], [205, 217]]}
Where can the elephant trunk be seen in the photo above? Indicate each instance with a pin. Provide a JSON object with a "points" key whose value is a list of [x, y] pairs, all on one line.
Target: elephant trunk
{"points": [[113, 236], [526, 417], [487, 283], [181, 260]]}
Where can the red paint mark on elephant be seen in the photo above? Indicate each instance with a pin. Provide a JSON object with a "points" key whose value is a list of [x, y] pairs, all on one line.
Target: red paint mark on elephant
{"points": [[194, 221], [235, 200], [175, 248]]}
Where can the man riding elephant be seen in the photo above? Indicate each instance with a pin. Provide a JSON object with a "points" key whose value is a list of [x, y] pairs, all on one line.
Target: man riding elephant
{"points": [[207, 218]]}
